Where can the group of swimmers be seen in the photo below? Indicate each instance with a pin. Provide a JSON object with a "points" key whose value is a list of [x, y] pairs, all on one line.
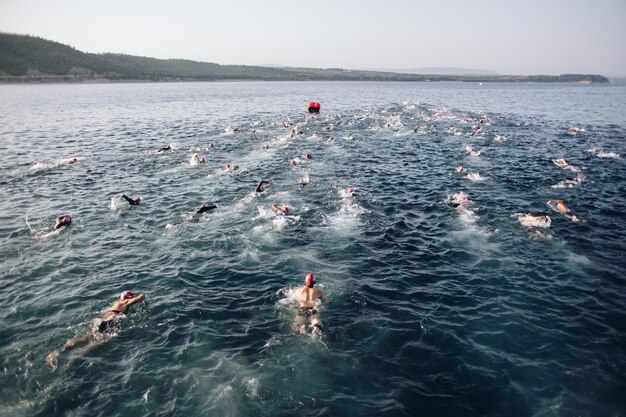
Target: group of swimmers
{"points": [[461, 201], [306, 321]]}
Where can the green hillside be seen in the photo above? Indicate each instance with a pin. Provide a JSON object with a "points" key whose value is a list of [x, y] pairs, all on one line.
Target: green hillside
{"points": [[27, 58]]}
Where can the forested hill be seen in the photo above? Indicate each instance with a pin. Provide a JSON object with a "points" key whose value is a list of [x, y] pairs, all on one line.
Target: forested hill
{"points": [[26, 58]]}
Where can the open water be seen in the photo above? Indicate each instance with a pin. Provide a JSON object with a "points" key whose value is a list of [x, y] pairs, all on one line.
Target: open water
{"points": [[436, 310]]}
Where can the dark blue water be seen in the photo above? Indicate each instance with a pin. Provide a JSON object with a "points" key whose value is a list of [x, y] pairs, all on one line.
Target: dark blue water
{"points": [[435, 310]]}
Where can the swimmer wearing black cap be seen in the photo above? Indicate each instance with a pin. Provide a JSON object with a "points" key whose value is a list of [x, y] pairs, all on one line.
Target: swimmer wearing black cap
{"points": [[94, 338], [167, 148], [307, 318]]}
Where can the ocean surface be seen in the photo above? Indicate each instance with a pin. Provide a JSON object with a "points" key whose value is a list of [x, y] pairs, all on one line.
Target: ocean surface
{"points": [[439, 307]]}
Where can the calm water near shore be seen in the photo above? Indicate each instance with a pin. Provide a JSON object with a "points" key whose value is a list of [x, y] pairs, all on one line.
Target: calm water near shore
{"points": [[437, 310]]}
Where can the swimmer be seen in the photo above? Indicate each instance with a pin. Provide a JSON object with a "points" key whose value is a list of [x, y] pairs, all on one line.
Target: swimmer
{"points": [[70, 161], [284, 210], [196, 160], [470, 149], [131, 201], [293, 162], [460, 199], [561, 207], [528, 220], [192, 218], [303, 181], [62, 221], [574, 181], [231, 168], [307, 155], [94, 338], [265, 147], [460, 169], [307, 318], [260, 188], [561, 163], [167, 148], [603, 154], [204, 208]]}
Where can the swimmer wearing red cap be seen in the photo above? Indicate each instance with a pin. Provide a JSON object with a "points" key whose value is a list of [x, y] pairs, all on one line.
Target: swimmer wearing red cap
{"points": [[307, 317], [204, 208], [132, 201], [93, 339], [62, 221], [284, 210]]}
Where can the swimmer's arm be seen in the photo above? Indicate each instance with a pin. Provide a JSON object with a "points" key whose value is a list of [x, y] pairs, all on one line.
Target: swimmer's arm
{"points": [[127, 198], [259, 188], [135, 300]]}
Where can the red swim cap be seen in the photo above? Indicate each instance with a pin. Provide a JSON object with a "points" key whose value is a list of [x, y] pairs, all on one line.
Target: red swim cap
{"points": [[126, 295], [286, 209], [309, 281], [137, 200]]}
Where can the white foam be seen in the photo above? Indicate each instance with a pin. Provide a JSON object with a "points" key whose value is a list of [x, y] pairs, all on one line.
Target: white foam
{"points": [[118, 203], [475, 176]]}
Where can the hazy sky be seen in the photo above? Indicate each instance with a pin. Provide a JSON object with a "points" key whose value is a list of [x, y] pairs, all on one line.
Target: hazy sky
{"points": [[507, 36]]}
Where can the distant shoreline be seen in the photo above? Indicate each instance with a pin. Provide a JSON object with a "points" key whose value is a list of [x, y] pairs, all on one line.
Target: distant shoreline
{"points": [[28, 59], [76, 80]]}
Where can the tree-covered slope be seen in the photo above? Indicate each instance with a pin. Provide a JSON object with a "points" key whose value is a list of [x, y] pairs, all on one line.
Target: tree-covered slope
{"points": [[29, 58]]}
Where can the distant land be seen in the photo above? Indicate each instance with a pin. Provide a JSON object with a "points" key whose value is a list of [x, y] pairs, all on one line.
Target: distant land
{"points": [[25, 58], [437, 70]]}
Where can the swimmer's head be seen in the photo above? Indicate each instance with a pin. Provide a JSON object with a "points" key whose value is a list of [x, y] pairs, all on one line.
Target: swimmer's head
{"points": [[227, 166], [349, 190], [309, 281], [286, 209], [126, 295], [64, 220], [137, 200]]}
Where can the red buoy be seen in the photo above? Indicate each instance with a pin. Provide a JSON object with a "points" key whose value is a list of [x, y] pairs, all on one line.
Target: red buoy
{"points": [[314, 107]]}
